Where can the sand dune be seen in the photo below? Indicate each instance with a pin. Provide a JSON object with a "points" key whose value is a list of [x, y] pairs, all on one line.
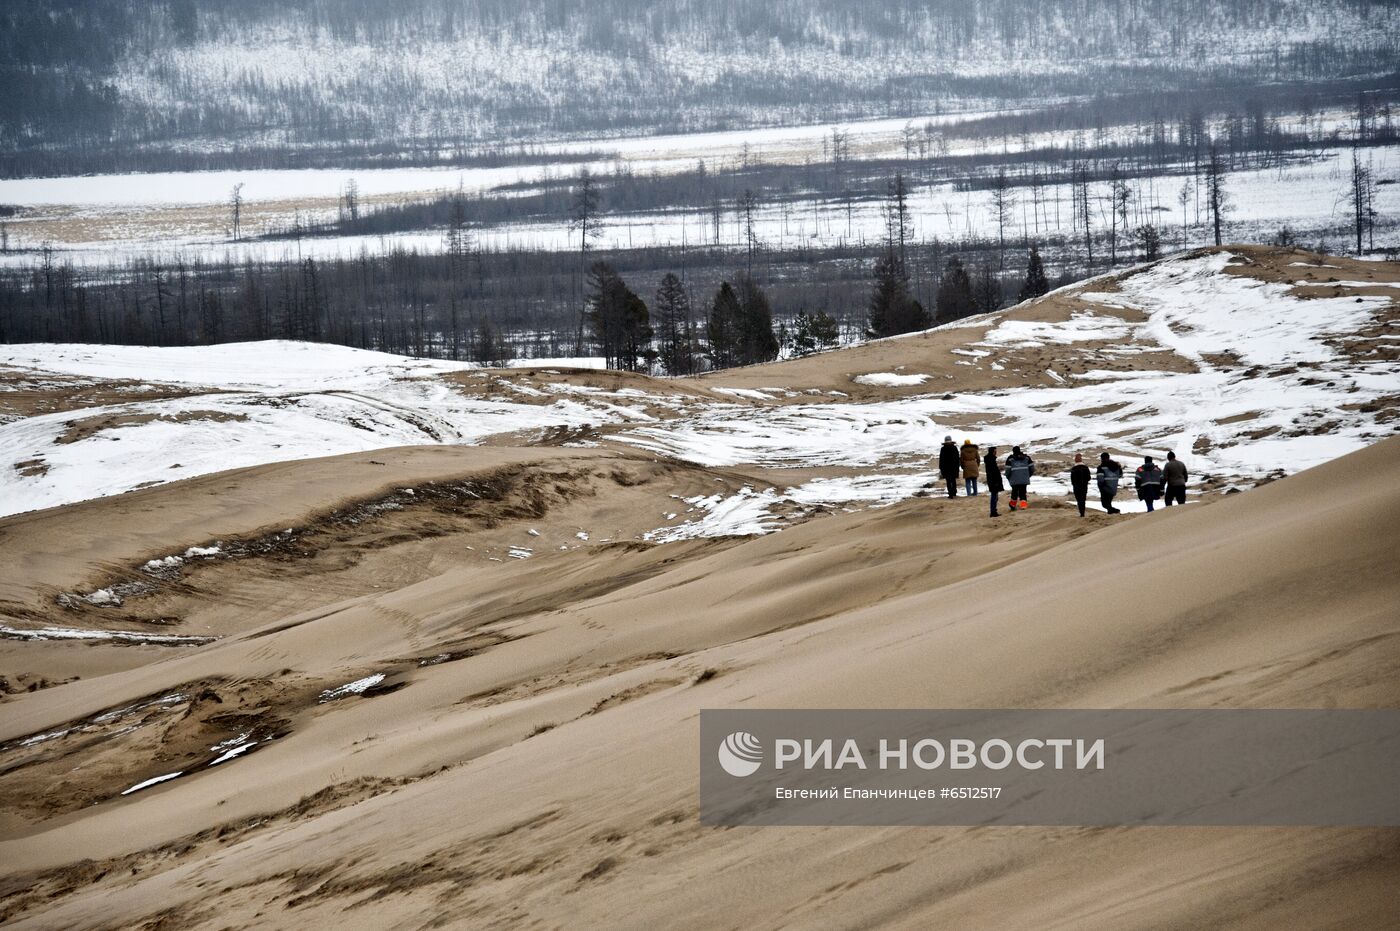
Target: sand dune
{"points": [[459, 686], [1269, 599]]}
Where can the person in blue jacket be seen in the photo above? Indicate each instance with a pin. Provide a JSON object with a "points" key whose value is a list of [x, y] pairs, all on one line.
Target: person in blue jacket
{"points": [[1110, 473], [1019, 469], [1148, 480]]}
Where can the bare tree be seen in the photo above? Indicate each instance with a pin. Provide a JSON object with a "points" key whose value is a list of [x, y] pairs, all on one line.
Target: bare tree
{"points": [[1217, 197], [1119, 196], [1002, 205], [584, 221], [457, 241], [1079, 194], [350, 199], [897, 220], [746, 207], [1183, 197], [1361, 194], [235, 206]]}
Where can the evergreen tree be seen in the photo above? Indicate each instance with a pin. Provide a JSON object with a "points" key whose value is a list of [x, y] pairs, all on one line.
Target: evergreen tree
{"points": [[892, 309], [814, 333], [674, 327], [722, 327], [825, 331], [1036, 283], [489, 348], [955, 299], [618, 319], [756, 340], [988, 290], [803, 342]]}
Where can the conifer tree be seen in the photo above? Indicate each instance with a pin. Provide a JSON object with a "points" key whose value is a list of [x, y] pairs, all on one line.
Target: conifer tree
{"points": [[814, 333], [987, 291], [722, 327], [674, 327], [892, 309], [756, 340], [488, 348], [1036, 283], [955, 299], [618, 319]]}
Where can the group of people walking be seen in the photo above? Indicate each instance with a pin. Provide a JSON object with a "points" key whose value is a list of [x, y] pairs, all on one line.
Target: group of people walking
{"points": [[1151, 481]]}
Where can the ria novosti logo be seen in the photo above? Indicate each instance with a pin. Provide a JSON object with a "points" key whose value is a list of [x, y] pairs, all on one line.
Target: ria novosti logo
{"points": [[740, 754]]}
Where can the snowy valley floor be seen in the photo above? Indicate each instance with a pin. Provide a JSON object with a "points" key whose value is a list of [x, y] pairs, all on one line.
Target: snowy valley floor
{"points": [[408, 644]]}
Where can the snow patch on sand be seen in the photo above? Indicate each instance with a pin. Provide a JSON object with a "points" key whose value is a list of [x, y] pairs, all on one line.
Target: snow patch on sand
{"points": [[120, 636], [358, 687], [890, 380], [157, 780]]}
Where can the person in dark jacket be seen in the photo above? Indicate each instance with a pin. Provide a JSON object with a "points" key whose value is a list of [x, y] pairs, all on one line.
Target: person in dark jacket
{"points": [[1148, 480], [1079, 481], [950, 465], [1174, 476], [994, 483], [1110, 473], [1019, 469]]}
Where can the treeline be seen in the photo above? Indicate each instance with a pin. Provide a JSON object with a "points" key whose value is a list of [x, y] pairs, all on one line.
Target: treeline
{"points": [[1249, 135], [670, 310], [89, 84]]}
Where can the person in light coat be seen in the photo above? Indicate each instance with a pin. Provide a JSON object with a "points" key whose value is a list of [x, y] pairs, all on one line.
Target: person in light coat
{"points": [[971, 466]]}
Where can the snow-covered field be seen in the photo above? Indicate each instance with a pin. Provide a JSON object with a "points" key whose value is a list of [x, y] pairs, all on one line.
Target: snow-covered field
{"points": [[97, 220], [1288, 398], [1309, 198], [258, 403]]}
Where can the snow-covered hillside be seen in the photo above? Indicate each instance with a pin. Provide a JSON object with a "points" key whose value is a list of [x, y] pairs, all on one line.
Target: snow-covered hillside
{"points": [[180, 76], [683, 65], [209, 408], [1245, 375]]}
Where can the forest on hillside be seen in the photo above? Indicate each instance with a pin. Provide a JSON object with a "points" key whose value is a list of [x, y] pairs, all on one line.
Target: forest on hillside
{"points": [[90, 83]]}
